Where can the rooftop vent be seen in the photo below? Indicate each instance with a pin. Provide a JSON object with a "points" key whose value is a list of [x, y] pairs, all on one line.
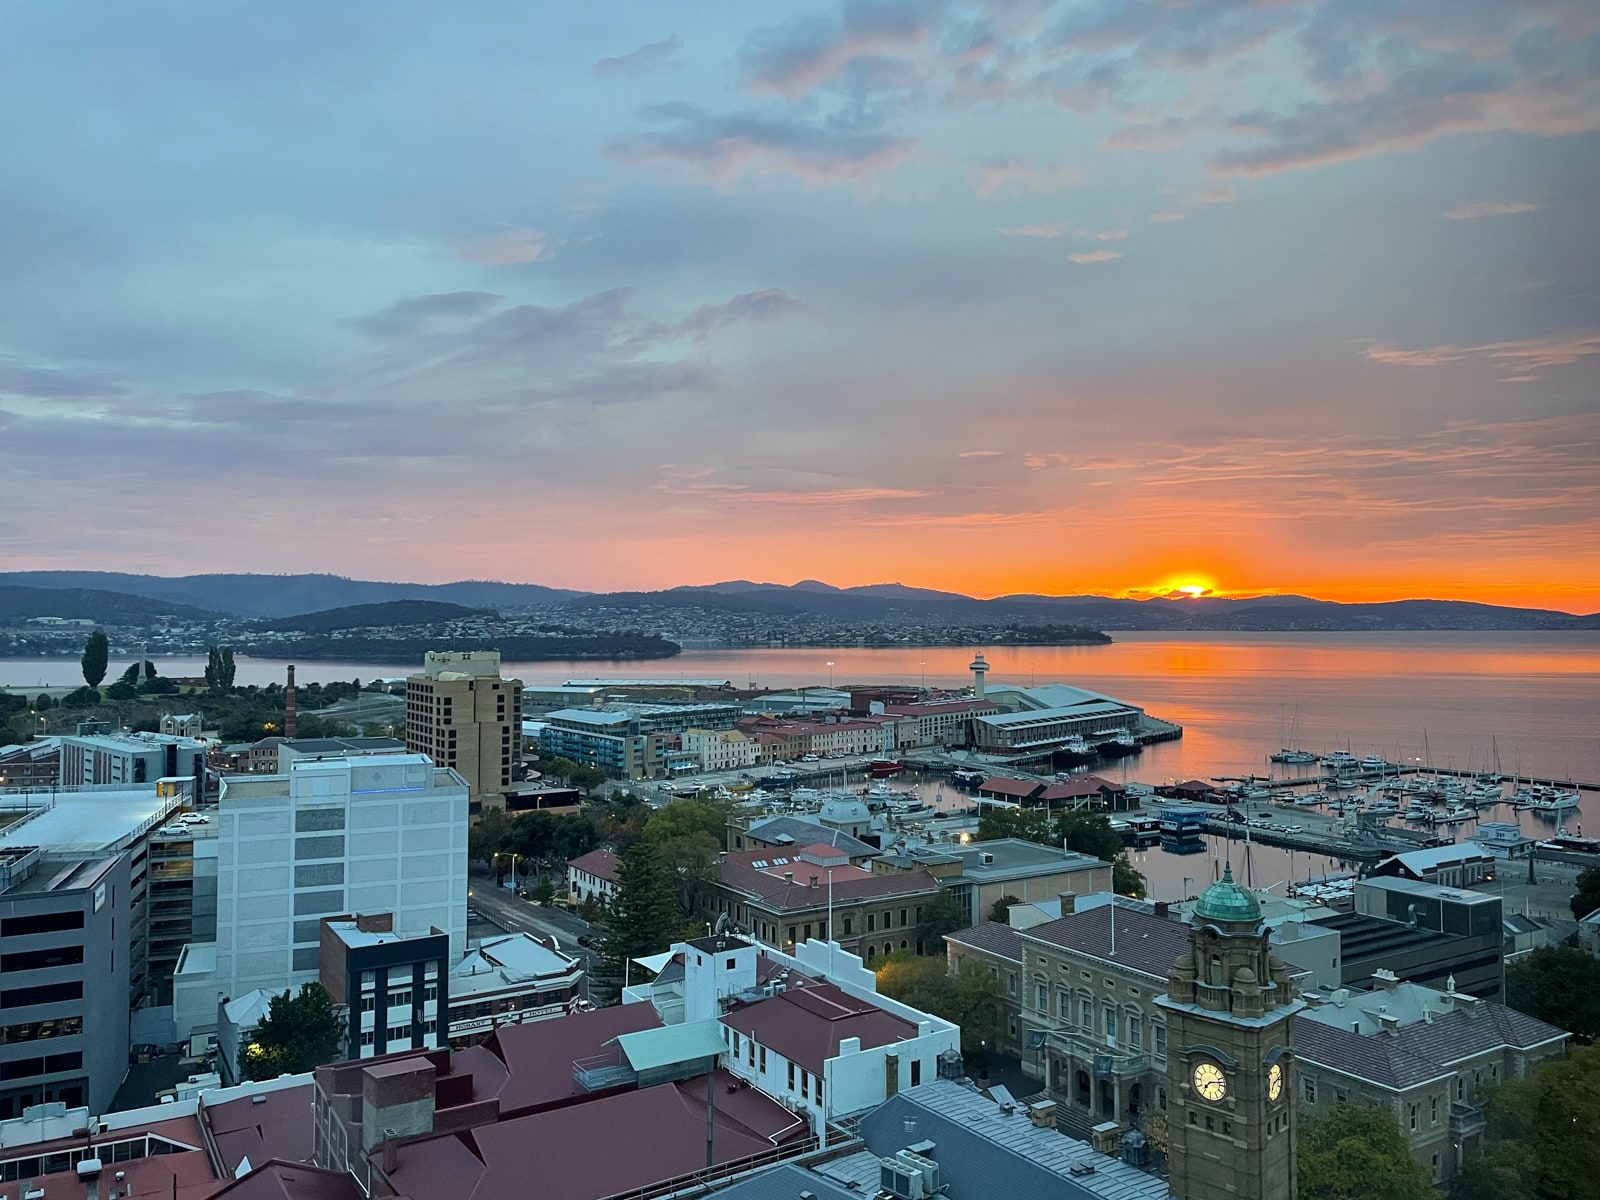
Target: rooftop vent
{"points": [[1081, 1168], [258, 1098]]}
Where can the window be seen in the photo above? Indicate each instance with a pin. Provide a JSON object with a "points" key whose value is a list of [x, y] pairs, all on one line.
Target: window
{"points": [[1211, 1123], [791, 935], [750, 1049], [1110, 1015], [400, 999], [1461, 1088], [1158, 1039], [1011, 983], [319, 847], [368, 1003], [763, 1067], [872, 922], [319, 875], [38, 960], [1309, 1089], [736, 1045], [1227, 1129], [55, 922], [367, 1037], [816, 1089], [308, 903], [1413, 1118], [903, 921], [306, 958], [1433, 1109], [1436, 1175], [916, 1072], [316, 820], [1042, 999], [46, 993], [1086, 1014], [791, 1071], [35, 1030], [808, 931], [849, 925], [1135, 1031], [399, 1033], [1064, 1005], [430, 993]]}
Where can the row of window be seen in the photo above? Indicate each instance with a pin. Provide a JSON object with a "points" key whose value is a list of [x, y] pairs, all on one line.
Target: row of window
{"points": [[55, 922], [30, 1031], [49, 1064], [1114, 1023]]}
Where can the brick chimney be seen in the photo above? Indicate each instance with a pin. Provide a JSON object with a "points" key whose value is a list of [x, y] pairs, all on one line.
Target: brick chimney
{"points": [[288, 706]]}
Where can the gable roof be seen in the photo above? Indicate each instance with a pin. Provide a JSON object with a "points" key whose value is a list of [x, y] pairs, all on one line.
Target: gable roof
{"points": [[600, 863], [538, 1055], [1144, 942], [992, 938], [793, 831], [806, 1023], [738, 871]]}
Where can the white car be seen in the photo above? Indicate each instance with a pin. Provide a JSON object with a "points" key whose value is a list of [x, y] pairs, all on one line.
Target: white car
{"points": [[195, 819], [175, 831]]}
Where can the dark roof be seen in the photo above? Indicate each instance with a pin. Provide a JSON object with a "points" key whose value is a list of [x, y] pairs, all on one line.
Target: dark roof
{"points": [[1005, 786], [276, 1179], [785, 1182], [793, 831], [1145, 942], [849, 883], [539, 1055], [1474, 1029], [805, 1024], [984, 1153], [276, 1128], [992, 938], [600, 863], [608, 1145], [1362, 936], [1378, 1058]]}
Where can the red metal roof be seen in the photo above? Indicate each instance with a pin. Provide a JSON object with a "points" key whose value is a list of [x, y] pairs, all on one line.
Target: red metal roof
{"points": [[600, 863], [849, 883], [276, 1128], [539, 1055], [1005, 786], [806, 1024]]}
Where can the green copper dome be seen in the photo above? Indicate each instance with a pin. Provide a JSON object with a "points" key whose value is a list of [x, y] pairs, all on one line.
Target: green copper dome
{"points": [[1225, 900]]}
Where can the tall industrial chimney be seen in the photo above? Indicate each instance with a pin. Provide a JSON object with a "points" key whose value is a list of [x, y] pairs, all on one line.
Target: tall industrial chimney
{"points": [[288, 706]]}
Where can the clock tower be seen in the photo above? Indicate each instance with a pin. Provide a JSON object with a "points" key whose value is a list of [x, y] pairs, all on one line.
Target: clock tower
{"points": [[1230, 1056]]}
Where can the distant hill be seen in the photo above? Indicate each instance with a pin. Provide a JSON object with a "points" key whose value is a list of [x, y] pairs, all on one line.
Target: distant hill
{"points": [[286, 595], [89, 604], [369, 616]]}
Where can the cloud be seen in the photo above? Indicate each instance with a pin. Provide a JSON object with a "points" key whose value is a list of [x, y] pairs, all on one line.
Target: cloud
{"points": [[1111, 235], [1391, 78], [1211, 195], [1008, 174], [1525, 358], [1164, 217], [795, 58], [722, 147], [1489, 208], [760, 307], [18, 378], [980, 454], [505, 249], [407, 317], [646, 60], [1036, 231], [1095, 256]]}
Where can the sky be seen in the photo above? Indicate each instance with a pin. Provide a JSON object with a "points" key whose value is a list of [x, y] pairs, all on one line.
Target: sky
{"points": [[990, 295]]}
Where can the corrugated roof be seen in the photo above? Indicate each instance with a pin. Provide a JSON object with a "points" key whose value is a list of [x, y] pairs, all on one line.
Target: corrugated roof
{"points": [[805, 1024], [1144, 942], [805, 833], [983, 1153], [651, 1048], [786, 1182]]}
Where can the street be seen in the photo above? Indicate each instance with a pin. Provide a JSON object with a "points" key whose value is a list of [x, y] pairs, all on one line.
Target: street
{"points": [[504, 908]]}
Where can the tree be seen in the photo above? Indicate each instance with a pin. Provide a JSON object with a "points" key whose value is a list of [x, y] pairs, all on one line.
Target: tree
{"points": [[1558, 984], [969, 998], [226, 674], [297, 1034], [1081, 832], [586, 778], [45, 702], [1587, 898], [1540, 1143], [1357, 1152], [489, 836], [683, 817], [689, 834], [641, 918], [1000, 911], [543, 893], [96, 657], [940, 915]]}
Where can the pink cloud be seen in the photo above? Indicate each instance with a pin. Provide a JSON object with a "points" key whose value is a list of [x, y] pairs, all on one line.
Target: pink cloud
{"points": [[1036, 231], [1095, 256], [505, 249], [1163, 217]]}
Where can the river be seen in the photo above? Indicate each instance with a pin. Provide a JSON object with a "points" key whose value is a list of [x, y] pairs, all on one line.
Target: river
{"points": [[1529, 700]]}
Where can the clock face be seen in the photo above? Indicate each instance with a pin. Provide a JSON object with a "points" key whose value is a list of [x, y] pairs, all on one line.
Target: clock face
{"points": [[1274, 1081], [1209, 1081]]}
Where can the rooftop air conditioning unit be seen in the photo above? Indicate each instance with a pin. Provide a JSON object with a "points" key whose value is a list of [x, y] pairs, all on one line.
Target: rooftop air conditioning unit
{"points": [[928, 1168], [898, 1179]]}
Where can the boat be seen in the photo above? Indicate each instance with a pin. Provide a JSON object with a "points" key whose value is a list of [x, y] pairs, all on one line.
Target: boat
{"points": [[1569, 844], [1120, 744], [1374, 762], [1456, 815], [1287, 755], [1075, 752], [1137, 831], [884, 767], [968, 778], [1340, 760], [1417, 812], [1547, 800]]}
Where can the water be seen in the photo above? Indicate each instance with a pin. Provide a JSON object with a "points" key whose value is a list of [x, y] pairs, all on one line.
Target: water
{"points": [[1529, 701]]}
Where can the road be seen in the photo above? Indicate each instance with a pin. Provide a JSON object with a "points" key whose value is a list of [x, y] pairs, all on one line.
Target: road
{"points": [[504, 908]]}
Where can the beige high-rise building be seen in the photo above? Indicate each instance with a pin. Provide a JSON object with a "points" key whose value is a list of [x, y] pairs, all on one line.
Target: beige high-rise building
{"points": [[461, 714]]}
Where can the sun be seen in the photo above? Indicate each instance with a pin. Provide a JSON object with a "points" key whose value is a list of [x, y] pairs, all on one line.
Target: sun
{"points": [[1193, 589]]}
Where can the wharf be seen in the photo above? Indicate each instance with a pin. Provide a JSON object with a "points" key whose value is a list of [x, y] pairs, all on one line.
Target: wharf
{"points": [[1315, 843]]}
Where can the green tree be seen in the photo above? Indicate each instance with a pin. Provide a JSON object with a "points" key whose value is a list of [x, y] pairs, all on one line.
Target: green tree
{"points": [[940, 915], [642, 917], [297, 1034], [1587, 898], [1000, 910], [227, 670], [1540, 1143], [1357, 1152], [1029, 824], [586, 778], [489, 836], [213, 668], [1081, 832], [96, 657], [1558, 984], [1088, 833], [544, 892], [683, 817], [45, 702], [970, 997]]}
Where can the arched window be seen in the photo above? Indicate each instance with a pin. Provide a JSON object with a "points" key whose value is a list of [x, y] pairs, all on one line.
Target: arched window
{"points": [[1215, 977]]}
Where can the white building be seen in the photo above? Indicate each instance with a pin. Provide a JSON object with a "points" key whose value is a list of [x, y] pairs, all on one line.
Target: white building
{"points": [[593, 876], [721, 749], [128, 758], [386, 833], [507, 981], [807, 1028]]}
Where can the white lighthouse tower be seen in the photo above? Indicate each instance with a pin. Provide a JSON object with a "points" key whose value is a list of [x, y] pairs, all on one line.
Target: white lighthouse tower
{"points": [[979, 669]]}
